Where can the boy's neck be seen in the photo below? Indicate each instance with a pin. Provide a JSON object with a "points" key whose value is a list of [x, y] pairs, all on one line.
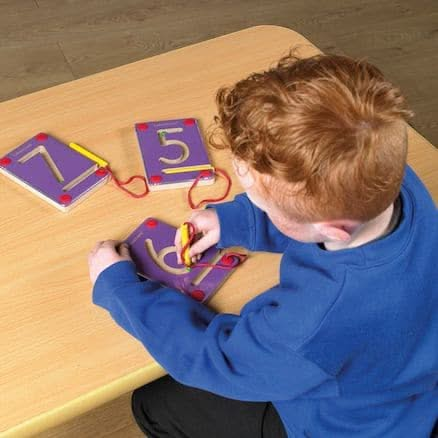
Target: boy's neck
{"points": [[367, 232]]}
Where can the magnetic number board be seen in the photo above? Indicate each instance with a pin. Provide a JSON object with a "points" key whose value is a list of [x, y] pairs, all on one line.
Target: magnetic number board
{"points": [[171, 149], [153, 251], [53, 171]]}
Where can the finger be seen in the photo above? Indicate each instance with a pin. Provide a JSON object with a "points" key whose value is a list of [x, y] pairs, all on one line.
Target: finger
{"points": [[201, 245], [199, 220], [178, 246], [177, 238], [110, 244], [96, 247], [124, 250]]}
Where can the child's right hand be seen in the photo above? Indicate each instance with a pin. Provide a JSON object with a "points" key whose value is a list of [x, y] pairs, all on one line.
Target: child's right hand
{"points": [[205, 222]]}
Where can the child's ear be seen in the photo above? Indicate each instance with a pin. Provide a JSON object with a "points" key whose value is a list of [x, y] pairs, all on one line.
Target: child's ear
{"points": [[339, 230], [243, 172]]}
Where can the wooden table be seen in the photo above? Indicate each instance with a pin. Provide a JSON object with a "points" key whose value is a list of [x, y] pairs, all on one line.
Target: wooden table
{"points": [[61, 355]]}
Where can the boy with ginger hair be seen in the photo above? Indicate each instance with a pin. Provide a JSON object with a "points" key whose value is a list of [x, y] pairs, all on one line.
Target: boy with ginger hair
{"points": [[346, 344]]}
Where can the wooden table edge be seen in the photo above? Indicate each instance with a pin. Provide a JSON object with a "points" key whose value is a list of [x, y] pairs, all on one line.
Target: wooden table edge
{"points": [[85, 402]]}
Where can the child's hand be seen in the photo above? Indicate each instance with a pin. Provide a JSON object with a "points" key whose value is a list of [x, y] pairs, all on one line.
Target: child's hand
{"points": [[205, 222], [105, 254]]}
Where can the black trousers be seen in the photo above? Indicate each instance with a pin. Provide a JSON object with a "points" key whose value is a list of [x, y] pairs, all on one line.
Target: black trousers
{"points": [[165, 408]]}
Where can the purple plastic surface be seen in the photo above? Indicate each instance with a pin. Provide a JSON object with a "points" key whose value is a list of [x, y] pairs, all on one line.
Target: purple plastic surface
{"points": [[152, 149], [162, 235], [38, 174]]}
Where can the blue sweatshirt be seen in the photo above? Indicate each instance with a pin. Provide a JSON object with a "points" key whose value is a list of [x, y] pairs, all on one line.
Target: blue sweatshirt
{"points": [[345, 345]]}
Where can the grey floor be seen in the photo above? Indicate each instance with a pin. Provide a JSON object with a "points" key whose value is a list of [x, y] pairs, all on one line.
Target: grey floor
{"points": [[48, 42]]}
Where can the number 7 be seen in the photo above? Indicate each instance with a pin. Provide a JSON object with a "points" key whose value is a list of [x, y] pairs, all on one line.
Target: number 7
{"points": [[47, 158]]}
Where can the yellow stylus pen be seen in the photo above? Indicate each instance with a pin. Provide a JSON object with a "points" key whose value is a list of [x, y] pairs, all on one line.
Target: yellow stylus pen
{"points": [[101, 162], [184, 240], [172, 170]]}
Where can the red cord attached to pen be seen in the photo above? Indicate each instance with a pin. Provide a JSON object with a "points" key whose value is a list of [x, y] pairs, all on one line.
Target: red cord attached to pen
{"points": [[121, 184]]}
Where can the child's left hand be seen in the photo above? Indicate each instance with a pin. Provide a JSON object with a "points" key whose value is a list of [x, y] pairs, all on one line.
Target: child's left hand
{"points": [[105, 254]]}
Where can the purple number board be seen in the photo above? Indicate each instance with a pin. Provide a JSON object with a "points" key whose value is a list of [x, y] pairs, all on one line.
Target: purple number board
{"points": [[53, 170], [153, 251], [173, 146]]}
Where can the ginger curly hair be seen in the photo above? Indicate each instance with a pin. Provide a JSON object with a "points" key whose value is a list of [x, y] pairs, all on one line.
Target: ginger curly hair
{"points": [[327, 136]]}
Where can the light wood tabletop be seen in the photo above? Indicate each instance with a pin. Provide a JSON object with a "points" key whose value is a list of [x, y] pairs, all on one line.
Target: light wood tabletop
{"points": [[61, 355]]}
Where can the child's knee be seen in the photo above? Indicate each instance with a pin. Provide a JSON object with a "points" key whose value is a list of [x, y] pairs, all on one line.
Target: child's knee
{"points": [[149, 403], [146, 410], [137, 407], [141, 397]]}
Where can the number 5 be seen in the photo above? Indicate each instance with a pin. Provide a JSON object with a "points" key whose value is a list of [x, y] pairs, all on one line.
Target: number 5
{"points": [[165, 142]]}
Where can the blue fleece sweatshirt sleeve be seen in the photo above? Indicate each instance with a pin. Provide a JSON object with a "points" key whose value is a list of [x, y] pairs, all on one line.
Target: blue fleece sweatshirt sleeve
{"points": [[235, 356], [244, 224]]}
